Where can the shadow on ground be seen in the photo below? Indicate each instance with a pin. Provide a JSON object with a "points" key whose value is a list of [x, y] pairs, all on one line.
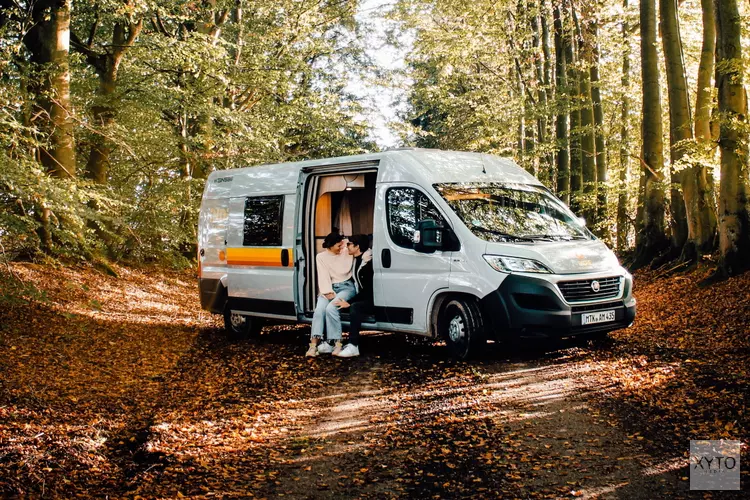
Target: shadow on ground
{"points": [[150, 400]]}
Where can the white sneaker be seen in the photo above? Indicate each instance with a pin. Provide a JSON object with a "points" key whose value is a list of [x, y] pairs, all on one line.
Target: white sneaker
{"points": [[349, 351], [324, 347], [337, 349], [312, 351]]}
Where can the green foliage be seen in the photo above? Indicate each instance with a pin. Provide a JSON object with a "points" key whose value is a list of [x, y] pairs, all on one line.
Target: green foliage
{"points": [[15, 292], [202, 87], [477, 86]]}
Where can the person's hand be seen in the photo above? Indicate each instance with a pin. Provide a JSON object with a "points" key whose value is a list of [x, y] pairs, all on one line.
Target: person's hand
{"points": [[341, 303], [329, 295]]}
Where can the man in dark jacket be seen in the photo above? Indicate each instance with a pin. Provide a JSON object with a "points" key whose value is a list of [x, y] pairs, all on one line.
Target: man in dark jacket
{"points": [[361, 304]]}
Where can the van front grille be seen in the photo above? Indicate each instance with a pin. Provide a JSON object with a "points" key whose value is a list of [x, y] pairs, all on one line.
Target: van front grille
{"points": [[596, 307], [580, 290]]}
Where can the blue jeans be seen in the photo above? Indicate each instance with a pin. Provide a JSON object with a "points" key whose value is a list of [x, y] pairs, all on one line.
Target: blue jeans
{"points": [[328, 314]]}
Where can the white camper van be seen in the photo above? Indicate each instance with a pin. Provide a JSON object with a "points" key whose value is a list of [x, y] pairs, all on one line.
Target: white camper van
{"points": [[467, 247]]}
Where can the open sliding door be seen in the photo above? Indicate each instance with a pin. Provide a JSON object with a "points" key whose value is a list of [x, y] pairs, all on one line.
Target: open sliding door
{"points": [[326, 196]]}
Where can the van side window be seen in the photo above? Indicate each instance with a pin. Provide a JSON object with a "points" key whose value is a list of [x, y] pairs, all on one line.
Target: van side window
{"points": [[263, 221], [405, 206]]}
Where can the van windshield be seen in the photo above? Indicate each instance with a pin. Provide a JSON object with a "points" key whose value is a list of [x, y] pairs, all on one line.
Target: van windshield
{"points": [[512, 212]]}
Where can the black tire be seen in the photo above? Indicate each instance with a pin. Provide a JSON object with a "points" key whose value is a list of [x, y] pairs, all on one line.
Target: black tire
{"points": [[241, 327], [462, 326]]}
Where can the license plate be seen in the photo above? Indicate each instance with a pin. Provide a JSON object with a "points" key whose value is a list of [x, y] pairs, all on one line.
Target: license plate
{"points": [[597, 317]]}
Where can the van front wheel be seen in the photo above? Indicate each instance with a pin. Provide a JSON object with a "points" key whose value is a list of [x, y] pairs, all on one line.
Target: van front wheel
{"points": [[462, 327], [240, 327]]}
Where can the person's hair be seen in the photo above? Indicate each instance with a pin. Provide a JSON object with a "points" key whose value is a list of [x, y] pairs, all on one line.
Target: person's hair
{"points": [[360, 240], [332, 239]]}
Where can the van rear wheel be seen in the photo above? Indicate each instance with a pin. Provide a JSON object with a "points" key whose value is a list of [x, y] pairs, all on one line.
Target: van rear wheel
{"points": [[462, 327], [240, 327]]}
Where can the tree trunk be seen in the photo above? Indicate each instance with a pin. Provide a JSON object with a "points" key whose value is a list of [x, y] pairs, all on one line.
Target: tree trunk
{"points": [[622, 197], [734, 219], [575, 113], [706, 225], [588, 142], [541, 112], [680, 128], [704, 104], [562, 105], [651, 239], [544, 16], [49, 43], [107, 65], [522, 115], [237, 17], [532, 162], [640, 211], [601, 151]]}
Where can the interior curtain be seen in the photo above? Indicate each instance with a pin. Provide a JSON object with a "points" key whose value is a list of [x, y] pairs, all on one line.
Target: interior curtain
{"points": [[344, 217]]}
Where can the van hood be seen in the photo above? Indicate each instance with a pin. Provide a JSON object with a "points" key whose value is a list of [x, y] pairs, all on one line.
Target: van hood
{"points": [[562, 257]]}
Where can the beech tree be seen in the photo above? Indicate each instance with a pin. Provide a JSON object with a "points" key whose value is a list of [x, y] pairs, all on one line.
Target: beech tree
{"points": [[562, 162], [680, 121], [734, 215], [105, 57], [156, 96], [651, 239], [622, 187], [105, 150], [48, 41], [486, 82]]}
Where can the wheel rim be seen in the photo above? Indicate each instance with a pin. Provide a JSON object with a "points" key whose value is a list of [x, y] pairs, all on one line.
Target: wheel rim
{"points": [[237, 320], [457, 329]]}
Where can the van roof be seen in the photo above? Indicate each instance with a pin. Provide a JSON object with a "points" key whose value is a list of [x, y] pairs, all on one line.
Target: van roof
{"points": [[421, 166]]}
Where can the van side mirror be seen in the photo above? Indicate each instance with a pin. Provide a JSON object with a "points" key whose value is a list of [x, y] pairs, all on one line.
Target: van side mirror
{"points": [[428, 236]]}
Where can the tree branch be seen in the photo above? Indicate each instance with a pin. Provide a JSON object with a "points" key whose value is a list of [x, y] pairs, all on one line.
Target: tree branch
{"points": [[94, 27], [93, 57], [647, 167]]}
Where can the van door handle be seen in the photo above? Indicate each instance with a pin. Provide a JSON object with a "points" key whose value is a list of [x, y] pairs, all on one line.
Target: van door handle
{"points": [[385, 258]]}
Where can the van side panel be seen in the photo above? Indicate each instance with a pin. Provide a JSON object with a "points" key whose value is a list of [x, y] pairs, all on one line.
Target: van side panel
{"points": [[261, 278], [212, 231]]}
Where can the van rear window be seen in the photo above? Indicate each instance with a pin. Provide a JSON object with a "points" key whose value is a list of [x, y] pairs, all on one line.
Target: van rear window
{"points": [[263, 221]]}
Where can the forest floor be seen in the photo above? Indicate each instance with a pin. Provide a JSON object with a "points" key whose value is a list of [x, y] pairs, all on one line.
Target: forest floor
{"points": [[124, 388]]}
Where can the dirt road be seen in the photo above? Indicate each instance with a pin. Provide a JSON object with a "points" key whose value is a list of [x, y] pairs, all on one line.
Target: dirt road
{"points": [[405, 421], [122, 388]]}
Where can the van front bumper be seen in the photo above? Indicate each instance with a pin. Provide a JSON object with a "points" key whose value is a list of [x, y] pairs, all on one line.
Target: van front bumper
{"points": [[529, 307]]}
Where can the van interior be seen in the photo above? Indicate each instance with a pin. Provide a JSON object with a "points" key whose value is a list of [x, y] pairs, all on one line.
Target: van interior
{"points": [[344, 201]]}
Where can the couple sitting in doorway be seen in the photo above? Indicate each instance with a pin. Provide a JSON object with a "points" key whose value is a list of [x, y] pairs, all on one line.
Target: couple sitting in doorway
{"points": [[344, 280]]}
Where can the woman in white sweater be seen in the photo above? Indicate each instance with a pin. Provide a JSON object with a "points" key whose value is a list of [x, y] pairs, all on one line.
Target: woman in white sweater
{"points": [[334, 265]]}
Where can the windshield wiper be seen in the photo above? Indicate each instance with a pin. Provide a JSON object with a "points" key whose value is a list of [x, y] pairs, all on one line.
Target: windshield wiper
{"points": [[555, 237], [501, 234]]}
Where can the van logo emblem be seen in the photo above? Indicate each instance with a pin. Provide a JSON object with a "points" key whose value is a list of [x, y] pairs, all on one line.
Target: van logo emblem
{"points": [[595, 286]]}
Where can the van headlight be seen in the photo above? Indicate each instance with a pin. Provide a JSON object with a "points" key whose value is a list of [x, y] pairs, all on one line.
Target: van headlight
{"points": [[515, 264]]}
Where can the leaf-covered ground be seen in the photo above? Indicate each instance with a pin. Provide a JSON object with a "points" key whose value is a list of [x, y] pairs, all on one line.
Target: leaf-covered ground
{"points": [[122, 387]]}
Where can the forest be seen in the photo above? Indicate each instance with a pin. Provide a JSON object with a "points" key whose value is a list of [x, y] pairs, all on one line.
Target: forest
{"points": [[114, 112], [114, 382]]}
